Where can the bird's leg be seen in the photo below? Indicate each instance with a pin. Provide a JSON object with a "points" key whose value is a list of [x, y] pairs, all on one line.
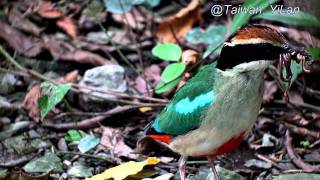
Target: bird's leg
{"points": [[213, 168], [182, 167]]}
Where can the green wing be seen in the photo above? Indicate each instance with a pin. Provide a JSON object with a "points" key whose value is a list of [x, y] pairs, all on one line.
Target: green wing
{"points": [[184, 111]]}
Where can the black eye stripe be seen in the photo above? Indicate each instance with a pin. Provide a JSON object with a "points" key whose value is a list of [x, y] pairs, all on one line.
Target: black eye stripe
{"points": [[234, 55]]}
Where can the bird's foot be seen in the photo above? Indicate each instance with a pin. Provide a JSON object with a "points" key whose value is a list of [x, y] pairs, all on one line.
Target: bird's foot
{"points": [[182, 167], [213, 168]]}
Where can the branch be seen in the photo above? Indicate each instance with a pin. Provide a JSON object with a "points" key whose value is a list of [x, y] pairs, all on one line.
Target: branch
{"points": [[296, 159]]}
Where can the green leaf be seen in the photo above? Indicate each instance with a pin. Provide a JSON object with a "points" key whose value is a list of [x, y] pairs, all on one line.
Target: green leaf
{"points": [[167, 52], [213, 48], [118, 6], [87, 143], [315, 53], [242, 18], [297, 18], [305, 143], [172, 72], [73, 135], [164, 87], [52, 96]]}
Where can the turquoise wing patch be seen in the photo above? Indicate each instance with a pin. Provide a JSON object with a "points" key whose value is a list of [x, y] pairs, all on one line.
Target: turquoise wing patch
{"points": [[186, 106], [184, 112]]}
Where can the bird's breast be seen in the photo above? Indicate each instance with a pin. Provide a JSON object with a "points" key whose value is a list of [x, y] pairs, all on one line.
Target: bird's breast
{"points": [[231, 116]]}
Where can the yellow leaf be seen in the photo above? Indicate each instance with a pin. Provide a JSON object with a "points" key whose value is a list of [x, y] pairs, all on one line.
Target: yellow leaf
{"points": [[124, 170], [145, 109]]}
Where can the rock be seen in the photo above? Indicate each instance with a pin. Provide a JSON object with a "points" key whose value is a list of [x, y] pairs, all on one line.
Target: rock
{"points": [[47, 163], [108, 77], [253, 163], [15, 148], [81, 171], [206, 174], [98, 37], [7, 83], [13, 128], [299, 176]]}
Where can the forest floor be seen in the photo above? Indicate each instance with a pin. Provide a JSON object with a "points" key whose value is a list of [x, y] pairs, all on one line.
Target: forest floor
{"points": [[79, 84]]}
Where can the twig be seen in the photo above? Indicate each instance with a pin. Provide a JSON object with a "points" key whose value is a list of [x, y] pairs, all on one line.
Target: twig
{"points": [[118, 94], [294, 171], [60, 153], [122, 95], [122, 56], [92, 122], [303, 131], [9, 58], [263, 158], [302, 105], [18, 73], [139, 52], [309, 91], [16, 162], [295, 158], [42, 77]]}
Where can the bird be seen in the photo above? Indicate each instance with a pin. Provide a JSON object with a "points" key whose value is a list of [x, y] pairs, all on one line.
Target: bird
{"points": [[216, 109]]}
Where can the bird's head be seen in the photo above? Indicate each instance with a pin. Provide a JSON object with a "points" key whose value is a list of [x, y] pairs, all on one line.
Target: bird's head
{"points": [[259, 43]]}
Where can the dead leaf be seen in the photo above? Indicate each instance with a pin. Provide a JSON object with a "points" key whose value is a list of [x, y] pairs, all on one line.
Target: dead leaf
{"points": [[22, 44], [19, 21], [302, 37], [30, 102], [178, 25], [133, 19], [24, 176], [145, 109], [190, 57], [124, 170], [71, 77], [140, 85], [153, 76], [270, 87], [69, 26], [48, 10], [64, 51], [113, 140], [295, 97]]}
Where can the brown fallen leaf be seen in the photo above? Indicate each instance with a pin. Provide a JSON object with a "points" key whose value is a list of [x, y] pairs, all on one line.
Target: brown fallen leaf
{"points": [[177, 26], [295, 97], [153, 76], [21, 43], [134, 19], [69, 26], [30, 102], [64, 51], [48, 10], [113, 140], [270, 87], [19, 21]]}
